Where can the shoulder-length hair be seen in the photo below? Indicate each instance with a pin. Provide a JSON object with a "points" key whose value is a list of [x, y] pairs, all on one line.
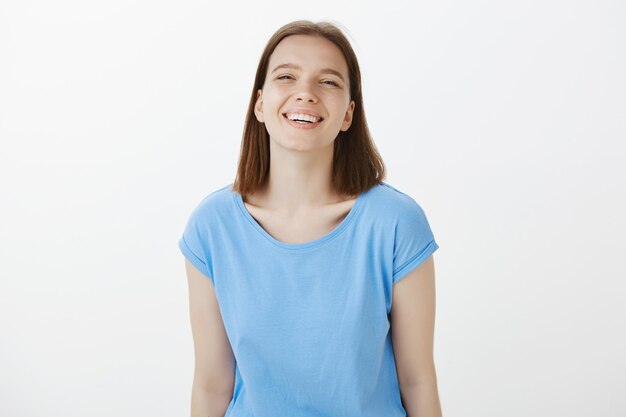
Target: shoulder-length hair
{"points": [[357, 165]]}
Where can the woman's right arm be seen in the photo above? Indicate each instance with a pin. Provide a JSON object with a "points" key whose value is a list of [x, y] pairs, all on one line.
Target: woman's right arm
{"points": [[214, 370]]}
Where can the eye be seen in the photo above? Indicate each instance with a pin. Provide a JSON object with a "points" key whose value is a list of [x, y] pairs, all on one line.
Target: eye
{"points": [[283, 76], [331, 82]]}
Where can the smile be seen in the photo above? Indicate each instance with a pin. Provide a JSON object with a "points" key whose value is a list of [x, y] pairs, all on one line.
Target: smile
{"points": [[302, 121]]}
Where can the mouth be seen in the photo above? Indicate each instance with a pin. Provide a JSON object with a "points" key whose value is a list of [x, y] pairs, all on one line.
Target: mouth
{"points": [[303, 121]]}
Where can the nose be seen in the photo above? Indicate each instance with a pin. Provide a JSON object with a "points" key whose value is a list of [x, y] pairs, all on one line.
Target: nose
{"points": [[306, 93]]}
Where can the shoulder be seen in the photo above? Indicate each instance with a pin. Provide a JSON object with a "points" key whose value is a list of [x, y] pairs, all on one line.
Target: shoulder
{"points": [[392, 203], [214, 205], [413, 238], [215, 200]]}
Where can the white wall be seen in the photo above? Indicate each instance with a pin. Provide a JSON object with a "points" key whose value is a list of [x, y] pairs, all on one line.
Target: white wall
{"points": [[505, 121]]}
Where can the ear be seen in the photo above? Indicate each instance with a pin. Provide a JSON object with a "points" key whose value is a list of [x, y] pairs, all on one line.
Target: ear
{"points": [[347, 120], [258, 106]]}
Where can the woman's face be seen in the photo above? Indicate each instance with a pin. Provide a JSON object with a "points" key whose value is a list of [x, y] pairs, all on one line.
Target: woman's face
{"points": [[306, 74]]}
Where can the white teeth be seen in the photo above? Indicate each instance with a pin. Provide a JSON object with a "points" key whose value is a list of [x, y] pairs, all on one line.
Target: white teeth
{"points": [[299, 116]]}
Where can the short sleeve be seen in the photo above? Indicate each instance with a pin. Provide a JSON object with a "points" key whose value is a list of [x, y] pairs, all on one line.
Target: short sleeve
{"points": [[194, 242], [414, 241]]}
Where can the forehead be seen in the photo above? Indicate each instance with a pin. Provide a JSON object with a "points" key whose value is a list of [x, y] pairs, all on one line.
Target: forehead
{"points": [[310, 52]]}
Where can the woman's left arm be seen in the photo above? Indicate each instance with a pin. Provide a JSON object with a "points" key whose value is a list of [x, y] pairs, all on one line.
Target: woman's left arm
{"points": [[412, 319]]}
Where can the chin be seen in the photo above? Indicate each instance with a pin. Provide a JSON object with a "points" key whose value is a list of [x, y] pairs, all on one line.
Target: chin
{"points": [[300, 144]]}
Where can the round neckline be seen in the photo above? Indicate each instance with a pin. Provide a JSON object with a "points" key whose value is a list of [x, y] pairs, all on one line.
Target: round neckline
{"points": [[305, 245]]}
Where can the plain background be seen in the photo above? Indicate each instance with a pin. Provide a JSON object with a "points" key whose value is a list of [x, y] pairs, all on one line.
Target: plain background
{"points": [[504, 120]]}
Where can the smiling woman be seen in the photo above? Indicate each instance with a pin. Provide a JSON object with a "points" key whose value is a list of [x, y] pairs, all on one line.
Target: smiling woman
{"points": [[293, 267]]}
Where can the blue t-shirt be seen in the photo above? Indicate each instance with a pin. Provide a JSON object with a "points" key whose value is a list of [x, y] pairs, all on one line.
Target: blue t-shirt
{"points": [[308, 323]]}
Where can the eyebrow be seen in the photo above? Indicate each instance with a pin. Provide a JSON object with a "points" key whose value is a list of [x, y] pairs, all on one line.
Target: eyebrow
{"points": [[298, 67]]}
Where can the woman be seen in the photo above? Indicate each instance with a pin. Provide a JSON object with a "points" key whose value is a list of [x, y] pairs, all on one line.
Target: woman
{"points": [[297, 299]]}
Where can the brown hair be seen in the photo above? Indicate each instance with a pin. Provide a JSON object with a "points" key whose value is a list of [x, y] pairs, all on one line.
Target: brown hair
{"points": [[357, 165]]}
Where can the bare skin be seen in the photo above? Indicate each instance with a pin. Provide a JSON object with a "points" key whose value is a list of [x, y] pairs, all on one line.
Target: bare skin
{"points": [[305, 225]]}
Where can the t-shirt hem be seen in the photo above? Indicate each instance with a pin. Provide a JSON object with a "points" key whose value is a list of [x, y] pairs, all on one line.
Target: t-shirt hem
{"points": [[193, 258], [415, 261]]}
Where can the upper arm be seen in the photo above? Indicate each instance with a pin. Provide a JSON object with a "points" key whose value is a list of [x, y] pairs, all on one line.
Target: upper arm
{"points": [[412, 319], [214, 360]]}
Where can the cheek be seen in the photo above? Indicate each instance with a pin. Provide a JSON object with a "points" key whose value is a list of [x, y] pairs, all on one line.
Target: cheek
{"points": [[273, 94], [271, 103]]}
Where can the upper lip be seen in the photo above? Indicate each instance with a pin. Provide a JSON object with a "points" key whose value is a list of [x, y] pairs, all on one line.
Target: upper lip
{"points": [[301, 110]]}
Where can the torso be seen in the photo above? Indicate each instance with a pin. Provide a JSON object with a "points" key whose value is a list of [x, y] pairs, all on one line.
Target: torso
{"points": [[300, 228]]}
